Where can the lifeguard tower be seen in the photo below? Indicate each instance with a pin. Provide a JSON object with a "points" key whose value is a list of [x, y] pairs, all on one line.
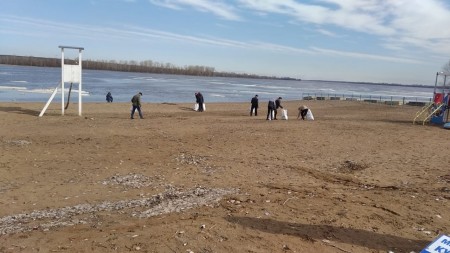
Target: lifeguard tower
{"points": [[437, 112], [70, 73]]}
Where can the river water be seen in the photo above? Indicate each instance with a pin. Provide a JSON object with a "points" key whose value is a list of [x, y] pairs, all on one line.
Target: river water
{"points": [[35, 84]]}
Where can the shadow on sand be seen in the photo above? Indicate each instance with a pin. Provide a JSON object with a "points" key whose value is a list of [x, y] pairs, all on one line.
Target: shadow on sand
{"points": [[353, 236], [184, 108], [19, 110]]}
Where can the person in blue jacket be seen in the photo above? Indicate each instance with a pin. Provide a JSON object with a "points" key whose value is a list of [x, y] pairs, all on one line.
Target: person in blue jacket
{"points": [[109, 97], [199, 99]]}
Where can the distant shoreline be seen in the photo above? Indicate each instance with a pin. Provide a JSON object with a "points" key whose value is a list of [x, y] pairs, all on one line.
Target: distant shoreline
{"points": [[132, 66]]}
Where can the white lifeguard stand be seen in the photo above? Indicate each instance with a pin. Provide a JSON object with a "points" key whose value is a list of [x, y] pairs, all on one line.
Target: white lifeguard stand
{"points": [[70, 74]]}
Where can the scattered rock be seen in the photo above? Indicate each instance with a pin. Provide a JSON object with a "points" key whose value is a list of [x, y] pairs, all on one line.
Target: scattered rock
{"points": [[17, 142], [190, 159], [133, 181], [351, 166], [445, 178]]}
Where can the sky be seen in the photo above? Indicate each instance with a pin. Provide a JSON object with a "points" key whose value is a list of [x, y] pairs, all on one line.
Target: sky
{"points": [[384, 41]]}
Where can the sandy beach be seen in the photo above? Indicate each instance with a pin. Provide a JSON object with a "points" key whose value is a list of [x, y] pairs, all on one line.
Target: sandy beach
{"points": [[360, 178]]}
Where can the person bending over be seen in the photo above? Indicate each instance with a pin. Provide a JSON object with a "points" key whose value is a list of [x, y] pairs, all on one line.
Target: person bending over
{"points": [[302, 111], [277, 105]]}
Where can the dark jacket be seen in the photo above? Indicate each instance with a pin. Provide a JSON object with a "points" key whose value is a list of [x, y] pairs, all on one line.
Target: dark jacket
{"points": [[109, 97], [278, 104], [136, 100], [254, 102], [199, 98], [271, 105]]}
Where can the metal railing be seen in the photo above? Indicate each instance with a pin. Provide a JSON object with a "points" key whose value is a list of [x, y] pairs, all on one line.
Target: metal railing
{"points": [[391, 100]]}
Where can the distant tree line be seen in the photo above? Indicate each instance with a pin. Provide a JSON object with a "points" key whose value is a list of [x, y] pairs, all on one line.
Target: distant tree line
{"points": [[147, 66]]}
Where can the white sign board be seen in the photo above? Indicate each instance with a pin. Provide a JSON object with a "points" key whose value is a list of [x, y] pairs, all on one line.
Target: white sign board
{"points": [[72, 73], [440, 245]]}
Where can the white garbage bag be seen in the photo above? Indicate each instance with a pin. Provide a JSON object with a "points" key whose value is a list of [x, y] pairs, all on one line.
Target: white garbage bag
{"points": [[309, 115], [196, 107], [284, 114]]}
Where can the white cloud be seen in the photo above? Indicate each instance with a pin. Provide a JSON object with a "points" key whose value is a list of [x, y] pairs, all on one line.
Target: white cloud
{"points": [[423, 24], [217, 8], [280, 48], [347, 14], [416, 23], [421, 19], [37, 27], [327, 33], [166, 3], [406, 24], [366, 56]]}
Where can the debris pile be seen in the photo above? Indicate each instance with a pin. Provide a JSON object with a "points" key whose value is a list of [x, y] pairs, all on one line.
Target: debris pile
{"points": [[169, 201]]}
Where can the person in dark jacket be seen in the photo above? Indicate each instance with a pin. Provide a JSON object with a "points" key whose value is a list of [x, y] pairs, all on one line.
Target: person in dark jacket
{"points": [[254, 105], [109, 97], [199, 99], [277, 105], [136, 102], [270, 109]]}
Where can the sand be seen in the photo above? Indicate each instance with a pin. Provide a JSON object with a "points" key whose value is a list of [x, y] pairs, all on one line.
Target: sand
{"points": [[360, 178]]}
